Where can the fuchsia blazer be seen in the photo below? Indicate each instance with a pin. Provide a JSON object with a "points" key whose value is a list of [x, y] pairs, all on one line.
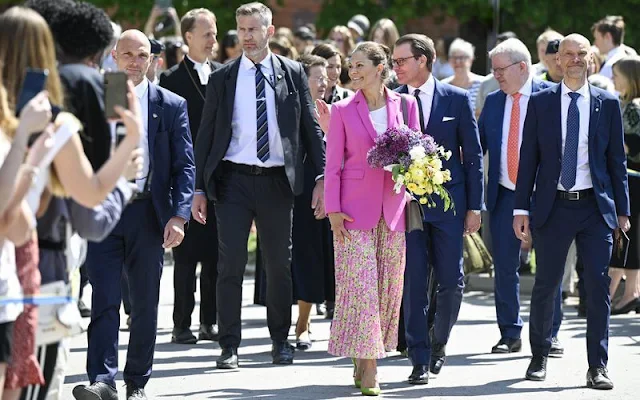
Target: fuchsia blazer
{"points": [[362, 192]]}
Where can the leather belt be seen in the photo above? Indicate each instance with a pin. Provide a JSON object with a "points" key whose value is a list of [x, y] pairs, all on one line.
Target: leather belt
{"points": [[252, 169], [575, 196]]}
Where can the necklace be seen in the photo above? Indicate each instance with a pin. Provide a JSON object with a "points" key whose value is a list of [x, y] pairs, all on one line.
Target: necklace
{"points": [[193, 80]]}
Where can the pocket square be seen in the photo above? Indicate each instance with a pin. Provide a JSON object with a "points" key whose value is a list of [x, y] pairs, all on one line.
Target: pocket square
{"points": [[445, 119]]}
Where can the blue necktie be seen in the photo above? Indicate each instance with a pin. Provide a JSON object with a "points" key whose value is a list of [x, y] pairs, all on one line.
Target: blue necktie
{"points": [[261, 116], [570, 157]]}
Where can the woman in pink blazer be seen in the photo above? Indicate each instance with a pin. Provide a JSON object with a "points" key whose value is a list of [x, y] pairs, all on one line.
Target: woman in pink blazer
{"points": [[367, 218]]}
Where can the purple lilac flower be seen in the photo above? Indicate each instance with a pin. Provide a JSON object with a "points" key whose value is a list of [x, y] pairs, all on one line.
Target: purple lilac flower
{"points": [[392, 147]]}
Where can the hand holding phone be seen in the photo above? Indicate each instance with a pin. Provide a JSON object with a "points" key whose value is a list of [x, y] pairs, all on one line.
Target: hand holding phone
{"points": [[35, 115], [131, 117]]}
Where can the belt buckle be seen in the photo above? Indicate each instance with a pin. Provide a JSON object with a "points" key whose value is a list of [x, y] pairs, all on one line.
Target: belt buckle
{"points": [[256, 170], [574, 195]]}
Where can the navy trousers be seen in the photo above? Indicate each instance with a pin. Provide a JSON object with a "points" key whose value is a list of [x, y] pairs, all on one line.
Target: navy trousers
{"points": [[583, 221], [135, 245], [506, 263], [440, 245]]}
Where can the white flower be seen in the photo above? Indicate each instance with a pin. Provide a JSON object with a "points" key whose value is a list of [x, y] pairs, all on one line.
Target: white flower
{"points": [[417, 152], [438, 178]]}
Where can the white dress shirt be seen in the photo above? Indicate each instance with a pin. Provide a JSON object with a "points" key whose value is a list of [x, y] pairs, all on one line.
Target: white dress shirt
{"points": [[426, 97], [243, 145], [525, 92], [583, 173], [203, 70], [613, 56], [142, 93]]}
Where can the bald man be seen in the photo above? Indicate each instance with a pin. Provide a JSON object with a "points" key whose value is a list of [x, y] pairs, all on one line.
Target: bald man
{"points": [[572, 150], [152, 222]]}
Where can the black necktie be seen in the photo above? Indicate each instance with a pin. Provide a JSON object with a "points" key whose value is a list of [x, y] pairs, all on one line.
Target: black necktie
{"points": [[416, 93]]}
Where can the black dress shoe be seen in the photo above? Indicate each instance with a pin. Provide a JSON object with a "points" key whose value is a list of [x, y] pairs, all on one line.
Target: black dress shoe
{"points": [[419, 375], [282, 353], [96, 391], [208, 332], [85, 312], [135, 393], [438, 357], [507, 345], [597, 379], [556, 349], [329, 308], [183, 336], [537, 370], [627, 308], [228, 359]]}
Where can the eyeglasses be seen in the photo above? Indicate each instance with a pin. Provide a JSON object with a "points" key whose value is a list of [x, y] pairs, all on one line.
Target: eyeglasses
{"points": [[321, 80], [500, 71], [399, 62]]}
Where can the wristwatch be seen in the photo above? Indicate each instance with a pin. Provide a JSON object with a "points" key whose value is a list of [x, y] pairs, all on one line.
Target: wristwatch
{"points": [[476, 212]]}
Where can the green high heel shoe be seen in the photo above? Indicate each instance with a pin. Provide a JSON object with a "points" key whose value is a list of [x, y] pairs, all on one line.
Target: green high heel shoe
{"points": [[370, 391], [357, 382]]}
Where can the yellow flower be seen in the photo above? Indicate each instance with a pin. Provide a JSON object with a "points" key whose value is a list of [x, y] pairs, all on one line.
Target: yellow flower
{"points": [[446, 174], [407, 176], [419, 191], [438, 178], [423, 200], [428, 188], [436, 163], [412, 186]]}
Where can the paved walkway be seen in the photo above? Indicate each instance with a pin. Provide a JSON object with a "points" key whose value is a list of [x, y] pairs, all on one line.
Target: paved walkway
{"points": [[188, 372]]}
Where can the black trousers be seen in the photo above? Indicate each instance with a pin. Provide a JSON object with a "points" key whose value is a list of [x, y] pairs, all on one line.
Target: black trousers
{"points": [[200, 245], [184, 287], [269, 200]]}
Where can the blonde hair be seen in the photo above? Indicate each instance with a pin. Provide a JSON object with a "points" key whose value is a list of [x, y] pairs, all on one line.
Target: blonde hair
{"points": [[8, 123], [629, 67], [26, 42]]}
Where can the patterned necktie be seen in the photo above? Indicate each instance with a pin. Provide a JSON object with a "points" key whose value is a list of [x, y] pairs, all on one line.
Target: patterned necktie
{"points": [[261, 116], [513, 141], [570, 157], [416, 93]]}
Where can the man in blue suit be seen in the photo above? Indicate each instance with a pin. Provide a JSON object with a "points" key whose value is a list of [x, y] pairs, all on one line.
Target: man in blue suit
{"points": [[573, 152], [153, 222], [445, 114], [500, 127]]}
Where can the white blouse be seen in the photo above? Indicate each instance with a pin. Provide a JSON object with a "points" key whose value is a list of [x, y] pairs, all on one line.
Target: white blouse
{"points": [[9, 285], [379, 119]]}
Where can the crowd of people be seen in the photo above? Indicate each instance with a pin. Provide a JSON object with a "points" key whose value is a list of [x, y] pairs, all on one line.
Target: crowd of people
{"points": [[268, 129]]}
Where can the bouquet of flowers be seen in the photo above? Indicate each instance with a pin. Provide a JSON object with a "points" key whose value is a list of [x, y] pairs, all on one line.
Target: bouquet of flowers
{"points": [[415, 160]]}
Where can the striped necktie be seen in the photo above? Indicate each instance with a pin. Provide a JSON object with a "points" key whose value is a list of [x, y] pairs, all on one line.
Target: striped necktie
{"points": [[261, 116]]}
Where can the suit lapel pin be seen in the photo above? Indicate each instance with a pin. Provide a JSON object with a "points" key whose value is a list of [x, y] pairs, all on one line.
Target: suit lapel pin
{"points": [[597, 109], [279, 77], [155, 115]]}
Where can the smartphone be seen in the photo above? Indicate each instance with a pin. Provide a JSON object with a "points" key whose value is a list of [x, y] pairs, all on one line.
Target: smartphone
{"points": [[115, 92], [35, 81], [164, 3]]}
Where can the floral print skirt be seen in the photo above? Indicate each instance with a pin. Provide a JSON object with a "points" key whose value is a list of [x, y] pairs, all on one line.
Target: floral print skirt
{"points": [[369, 280]]}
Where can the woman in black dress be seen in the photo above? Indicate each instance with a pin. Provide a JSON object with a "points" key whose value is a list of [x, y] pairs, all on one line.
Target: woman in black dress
{"points": [[626, 77]]}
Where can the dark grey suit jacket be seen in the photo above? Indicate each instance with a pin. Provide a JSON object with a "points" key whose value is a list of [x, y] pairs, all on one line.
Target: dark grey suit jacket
{"points": [[300, 132]]}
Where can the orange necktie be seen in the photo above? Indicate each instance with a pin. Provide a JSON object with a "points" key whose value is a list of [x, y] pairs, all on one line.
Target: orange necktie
{"points": [[513, 143]]}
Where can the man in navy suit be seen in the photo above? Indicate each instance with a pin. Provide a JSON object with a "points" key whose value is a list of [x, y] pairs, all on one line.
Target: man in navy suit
{"points": [[445, 114], [500, 127], [573, 152], [153, 222]]}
